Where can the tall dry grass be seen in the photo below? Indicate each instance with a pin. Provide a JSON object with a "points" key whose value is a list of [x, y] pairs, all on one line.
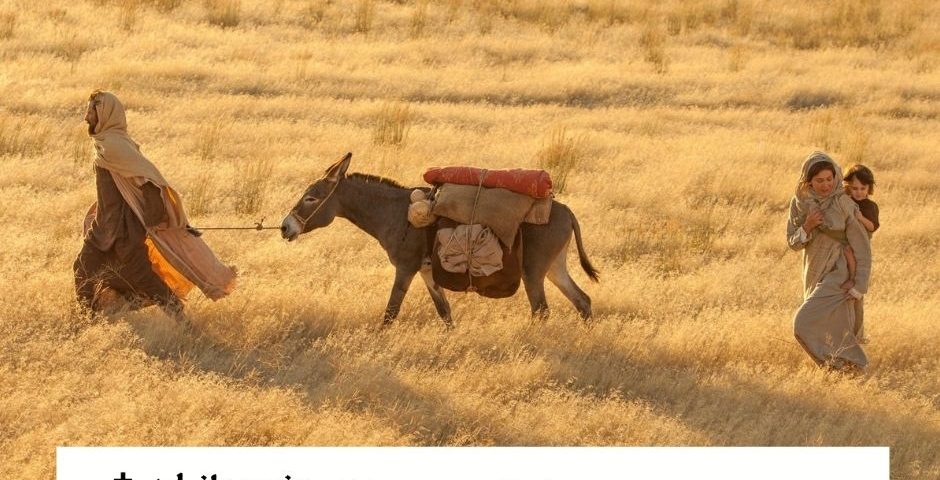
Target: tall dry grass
{"points": [[419, 18], [203, 193], [365, 15], [251, 183], [129, 13], [653, 42], [561, 155], [224, 13], [209, 138], [167, 5], [682, 207], [392, 124], [7, 24]]}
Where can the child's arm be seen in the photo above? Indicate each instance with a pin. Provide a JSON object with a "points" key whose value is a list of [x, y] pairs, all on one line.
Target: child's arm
{"points": [[852, 264], [868, 224]]}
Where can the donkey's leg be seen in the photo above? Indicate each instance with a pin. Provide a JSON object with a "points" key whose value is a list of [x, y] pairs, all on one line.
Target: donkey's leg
{"points": [[535, 290], [534, 268], [437, 294], [403, 280], [558, 274]]}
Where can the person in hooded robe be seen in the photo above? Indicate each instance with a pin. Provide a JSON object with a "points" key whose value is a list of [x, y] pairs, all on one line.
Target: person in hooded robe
{"points": [[822, 222], [138, 246]]}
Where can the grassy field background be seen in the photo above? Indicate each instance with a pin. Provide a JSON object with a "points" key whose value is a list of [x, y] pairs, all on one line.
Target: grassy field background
{"points": [[680, 128]]}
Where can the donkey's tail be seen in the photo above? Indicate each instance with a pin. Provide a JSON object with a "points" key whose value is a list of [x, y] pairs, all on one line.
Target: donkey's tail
{"points": [[582, 255]]}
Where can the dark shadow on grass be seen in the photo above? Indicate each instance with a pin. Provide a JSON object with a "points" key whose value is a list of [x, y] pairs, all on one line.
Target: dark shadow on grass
{"points": [[367, 386], [687, 392]]}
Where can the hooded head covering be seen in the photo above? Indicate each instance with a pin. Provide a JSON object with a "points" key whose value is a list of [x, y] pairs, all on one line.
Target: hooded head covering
{"points": [[115, 150], [111, 115], [803, 189], [181, 259], [832, 205]]}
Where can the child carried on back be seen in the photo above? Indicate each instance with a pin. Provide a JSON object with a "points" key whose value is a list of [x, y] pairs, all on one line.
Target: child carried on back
{"points": [[859, 184]]}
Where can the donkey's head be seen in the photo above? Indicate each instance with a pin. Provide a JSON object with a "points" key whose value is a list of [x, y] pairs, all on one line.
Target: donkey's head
{"points": [[318, 205]]}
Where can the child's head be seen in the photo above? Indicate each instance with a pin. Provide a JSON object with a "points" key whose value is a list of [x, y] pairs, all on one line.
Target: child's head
{"points": [[859, 182]]}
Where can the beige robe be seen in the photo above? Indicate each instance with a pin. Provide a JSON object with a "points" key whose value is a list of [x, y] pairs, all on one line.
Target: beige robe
{"points": [[181, 259], [825, 323]]}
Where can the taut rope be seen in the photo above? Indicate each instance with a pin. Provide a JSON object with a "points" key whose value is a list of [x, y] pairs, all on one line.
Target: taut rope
{"points": [[259, 225]]}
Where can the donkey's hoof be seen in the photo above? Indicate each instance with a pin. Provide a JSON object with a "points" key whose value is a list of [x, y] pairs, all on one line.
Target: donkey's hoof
{"points": [[448, 324]]}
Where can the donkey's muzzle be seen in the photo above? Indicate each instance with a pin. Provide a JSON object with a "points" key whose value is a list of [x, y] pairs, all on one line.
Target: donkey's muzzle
{"points": [[289, 230]]}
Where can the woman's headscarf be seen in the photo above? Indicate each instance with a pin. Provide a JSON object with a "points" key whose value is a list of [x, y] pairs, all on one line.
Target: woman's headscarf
{"points": [[803, 189], [833, 204], [115, 150]]}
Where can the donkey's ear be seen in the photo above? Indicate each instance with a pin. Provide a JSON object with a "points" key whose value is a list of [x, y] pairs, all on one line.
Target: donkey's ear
{"points": [[338, 170]]}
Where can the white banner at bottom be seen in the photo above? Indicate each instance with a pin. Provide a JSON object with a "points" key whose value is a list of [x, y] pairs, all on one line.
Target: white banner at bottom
{"points": [[466, 463]]}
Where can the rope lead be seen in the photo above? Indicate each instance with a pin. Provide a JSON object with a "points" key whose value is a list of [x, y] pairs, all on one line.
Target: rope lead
{"points": [[259, 225]]}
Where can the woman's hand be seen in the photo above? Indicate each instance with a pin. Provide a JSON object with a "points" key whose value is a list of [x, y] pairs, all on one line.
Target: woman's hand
{"points": [[859, 216], [850, 292], [813, 220]]}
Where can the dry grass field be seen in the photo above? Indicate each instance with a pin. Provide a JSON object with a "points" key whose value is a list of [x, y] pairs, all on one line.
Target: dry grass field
{"points": [[678, 128]]}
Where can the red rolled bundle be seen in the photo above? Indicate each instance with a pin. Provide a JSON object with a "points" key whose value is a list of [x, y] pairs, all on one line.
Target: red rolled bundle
{"points": [[534, 183]]}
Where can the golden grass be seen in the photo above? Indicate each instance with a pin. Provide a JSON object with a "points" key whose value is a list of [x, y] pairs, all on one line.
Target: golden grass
{"points": [[313, 12], [365, 14], [392, 124], [653, 42], [129, 12], [7, 24], [561, 155], [167, 5], [251, 183], [224, 13], [682, 207], [203, 191], [419, 18]]}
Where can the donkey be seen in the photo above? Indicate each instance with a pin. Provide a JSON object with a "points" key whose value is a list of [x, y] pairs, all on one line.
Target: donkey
{"points": [[379, 206]]}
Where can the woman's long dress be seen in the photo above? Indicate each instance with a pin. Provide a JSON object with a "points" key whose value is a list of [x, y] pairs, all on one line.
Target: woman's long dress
{"points": [[825, 323]]}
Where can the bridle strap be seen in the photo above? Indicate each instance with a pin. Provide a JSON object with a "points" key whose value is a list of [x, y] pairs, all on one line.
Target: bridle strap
{"points": [[303, 221]]}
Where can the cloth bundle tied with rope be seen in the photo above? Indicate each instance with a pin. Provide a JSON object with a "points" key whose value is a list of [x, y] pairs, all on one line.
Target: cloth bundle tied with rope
{"points": [[499, 209], [471, 247], [488, 218]]}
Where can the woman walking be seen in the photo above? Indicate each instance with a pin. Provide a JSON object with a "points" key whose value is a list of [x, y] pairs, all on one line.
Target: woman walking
{"points": [[822, 223]]}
